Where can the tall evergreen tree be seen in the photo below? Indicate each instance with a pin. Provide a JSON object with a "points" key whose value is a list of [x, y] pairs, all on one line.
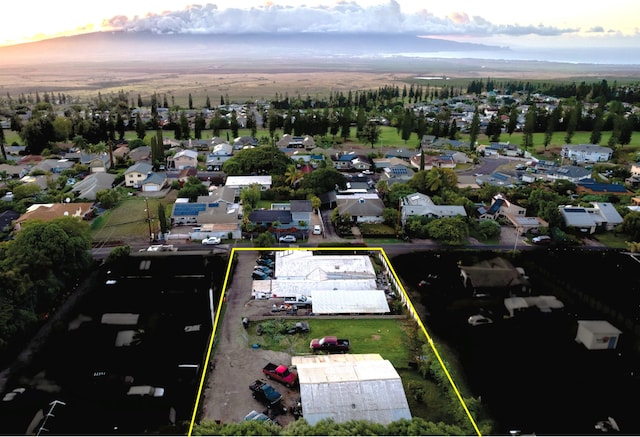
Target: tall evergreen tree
{"points": [[474, 130], [529, 126], [141, 129]]}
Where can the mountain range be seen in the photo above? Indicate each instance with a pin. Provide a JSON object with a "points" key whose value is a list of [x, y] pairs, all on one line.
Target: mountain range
{"points": [[298, 47]]}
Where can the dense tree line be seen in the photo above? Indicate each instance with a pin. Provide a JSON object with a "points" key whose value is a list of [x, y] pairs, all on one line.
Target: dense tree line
{"points": [[38, 269]]}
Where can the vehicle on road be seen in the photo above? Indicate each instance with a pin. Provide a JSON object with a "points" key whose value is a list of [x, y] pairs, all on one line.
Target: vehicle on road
{"points": [[211, 241], [541, 239], [479, 319], [160, 248], [280, 373], [330, 344], [287, 239]]}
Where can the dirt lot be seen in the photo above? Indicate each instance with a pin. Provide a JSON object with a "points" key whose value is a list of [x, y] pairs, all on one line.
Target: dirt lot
{"points": [[237, 364]]}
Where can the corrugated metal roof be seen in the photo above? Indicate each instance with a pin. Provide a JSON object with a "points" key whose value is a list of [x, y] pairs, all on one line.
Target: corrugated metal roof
{"points": [[349, 301], [351, 387]]}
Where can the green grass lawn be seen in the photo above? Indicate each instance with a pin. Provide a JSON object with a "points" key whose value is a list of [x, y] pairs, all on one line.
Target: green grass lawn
{"points": [[367, 336], [128, 219]]}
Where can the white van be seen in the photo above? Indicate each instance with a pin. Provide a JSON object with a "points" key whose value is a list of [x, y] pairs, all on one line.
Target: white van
{"points": [[145, 390], [317, 230]]}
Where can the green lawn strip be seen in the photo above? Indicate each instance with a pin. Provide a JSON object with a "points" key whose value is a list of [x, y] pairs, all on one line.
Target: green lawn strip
{"points": [[127, 220], [367, 336]]}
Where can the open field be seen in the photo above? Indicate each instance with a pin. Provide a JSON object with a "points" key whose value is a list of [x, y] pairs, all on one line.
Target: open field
{"points": [[251, 79]]}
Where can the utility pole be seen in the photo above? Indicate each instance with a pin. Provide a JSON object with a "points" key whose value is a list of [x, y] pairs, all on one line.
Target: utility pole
{"points": [[148, 219]]}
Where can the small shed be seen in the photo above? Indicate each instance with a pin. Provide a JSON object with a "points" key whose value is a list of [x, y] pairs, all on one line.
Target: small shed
{"points": [[597, 334]]}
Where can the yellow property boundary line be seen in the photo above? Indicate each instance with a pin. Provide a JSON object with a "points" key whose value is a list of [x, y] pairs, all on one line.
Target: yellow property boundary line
{"points": [[346, 249]]}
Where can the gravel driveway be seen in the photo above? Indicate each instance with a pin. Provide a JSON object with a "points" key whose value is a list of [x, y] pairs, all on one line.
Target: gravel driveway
{"points": [[236, 364]]}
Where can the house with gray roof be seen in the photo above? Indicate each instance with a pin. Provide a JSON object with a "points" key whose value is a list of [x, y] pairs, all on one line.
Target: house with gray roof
{"points": [[361, 209], [421, 205], [573, 173], [154, 182], [583, 153], [138, 172], [601, 215], [92, 184]]}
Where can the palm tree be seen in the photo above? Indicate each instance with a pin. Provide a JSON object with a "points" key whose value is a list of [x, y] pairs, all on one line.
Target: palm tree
{"points": [[293, 175]]}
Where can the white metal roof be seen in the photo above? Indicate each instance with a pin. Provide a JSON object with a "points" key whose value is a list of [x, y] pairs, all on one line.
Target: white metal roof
{"points": [[303, 263], [351, 387], [349, 301], [599, 326]]}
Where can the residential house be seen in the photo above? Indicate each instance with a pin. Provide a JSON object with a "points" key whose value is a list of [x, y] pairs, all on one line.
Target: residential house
{"points": [[92, 184], [361, 208], [245, 141], [430, 161], [141, 154], [498, 179], [50, 211], [300, 212], [573, 173], [154, 182], [344, 161], [297, 142], [183, 159], [397, 173], [404, 154], [501, 208], [7, 219], [421, 205], [52, 165], [584, 153], [8, 171], [495, 277], [186, 173], [121, 152], [602, 215], [97, 162], [240, 182], [218, 156], [221, 216], [267, 217], [134, 175], [590, 186]]}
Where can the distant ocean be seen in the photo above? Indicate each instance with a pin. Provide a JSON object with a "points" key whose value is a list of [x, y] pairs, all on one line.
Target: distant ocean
{"points": [[583, 55]]}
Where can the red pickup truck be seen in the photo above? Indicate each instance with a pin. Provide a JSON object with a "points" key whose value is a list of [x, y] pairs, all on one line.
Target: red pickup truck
{"points": [[330, 344], [281, 374]]}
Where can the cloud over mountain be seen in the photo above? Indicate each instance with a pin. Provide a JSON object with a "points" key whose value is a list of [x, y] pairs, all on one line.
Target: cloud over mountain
{"points": [[346, 16]]}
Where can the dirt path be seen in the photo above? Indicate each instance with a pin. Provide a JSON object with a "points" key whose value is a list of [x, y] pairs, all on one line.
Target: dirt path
{"points": [[236, 364]]}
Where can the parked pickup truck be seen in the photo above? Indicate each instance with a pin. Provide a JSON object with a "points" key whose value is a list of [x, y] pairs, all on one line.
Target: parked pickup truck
{"points": [[267, 395], [330, 344], [299, 300], [281, 374]]}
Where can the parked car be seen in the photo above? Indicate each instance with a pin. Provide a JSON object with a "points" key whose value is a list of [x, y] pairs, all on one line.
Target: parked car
{"points": [[258, 417], [264, 269], [287, 239], [211, 241], [330, 344], [268, 396], [479, 319], [317, 230], [298, 328], [267, 262], [145, 390], [280, 373], [541, 239], [259, 274]]}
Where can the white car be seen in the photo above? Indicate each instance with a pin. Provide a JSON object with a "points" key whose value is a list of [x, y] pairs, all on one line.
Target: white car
{"points": [[211, 241], [479, 319], [317, 230], [287, 239]]}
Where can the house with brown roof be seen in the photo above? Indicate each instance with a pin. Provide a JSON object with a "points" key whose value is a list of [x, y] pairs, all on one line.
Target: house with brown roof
{"points": [[49, 211]]}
